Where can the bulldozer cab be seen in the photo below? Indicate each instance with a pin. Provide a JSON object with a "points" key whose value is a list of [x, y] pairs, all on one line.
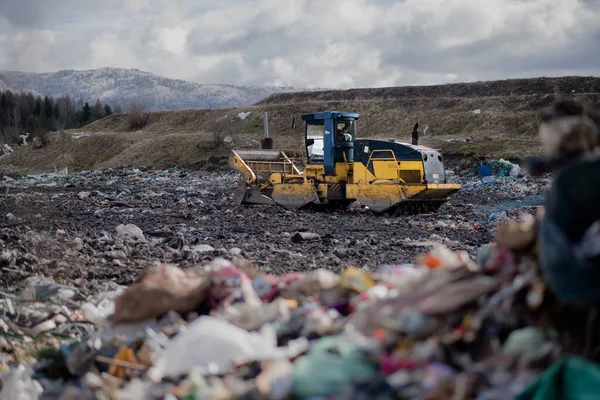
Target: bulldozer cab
{"points": [[330, 138]]}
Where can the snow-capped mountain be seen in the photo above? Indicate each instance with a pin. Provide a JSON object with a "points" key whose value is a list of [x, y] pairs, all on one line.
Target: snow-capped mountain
{"points": [[121, 86]]}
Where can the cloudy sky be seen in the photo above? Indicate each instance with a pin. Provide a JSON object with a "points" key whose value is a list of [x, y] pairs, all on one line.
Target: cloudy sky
{"points": [[306, 43]]}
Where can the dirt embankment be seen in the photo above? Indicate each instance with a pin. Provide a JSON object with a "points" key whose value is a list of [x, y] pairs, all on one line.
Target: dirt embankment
{"points": [[466, 120]]}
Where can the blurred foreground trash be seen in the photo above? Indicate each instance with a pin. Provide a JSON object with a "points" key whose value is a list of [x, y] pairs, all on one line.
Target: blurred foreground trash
{"points": [[444, 327], [19, 385], [214, 346], [330, 364], [160, 290], [569, 378]]}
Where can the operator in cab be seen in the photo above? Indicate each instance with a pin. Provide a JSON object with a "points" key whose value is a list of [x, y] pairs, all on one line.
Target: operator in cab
{"points": [[343, 135]]}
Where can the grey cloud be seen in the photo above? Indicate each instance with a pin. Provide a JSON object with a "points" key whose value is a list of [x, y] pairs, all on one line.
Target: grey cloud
{"points": [[26, 13], [338, 43]]}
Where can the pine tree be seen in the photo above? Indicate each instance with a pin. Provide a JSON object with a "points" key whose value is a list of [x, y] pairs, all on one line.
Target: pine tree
{"points": [[30, 126], [48, 107], [48, 118], [86, 114], [4, 111], [107, 110], [37, 110], [98, 111]]}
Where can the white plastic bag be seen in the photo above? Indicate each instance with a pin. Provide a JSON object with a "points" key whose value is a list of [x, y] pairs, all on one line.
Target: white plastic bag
{"points": [[214, 345], [515, 171], [18, 385]]}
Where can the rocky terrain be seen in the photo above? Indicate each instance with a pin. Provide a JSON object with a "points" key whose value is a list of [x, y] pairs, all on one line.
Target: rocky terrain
{"points": [[76, 227]]}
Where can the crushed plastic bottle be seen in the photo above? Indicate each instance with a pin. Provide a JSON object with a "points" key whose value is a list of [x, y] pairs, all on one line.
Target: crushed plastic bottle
{"points": [[97, 314]]}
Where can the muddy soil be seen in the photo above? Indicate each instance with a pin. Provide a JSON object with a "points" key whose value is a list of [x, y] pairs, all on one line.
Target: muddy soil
{"points": [[64, 227]]}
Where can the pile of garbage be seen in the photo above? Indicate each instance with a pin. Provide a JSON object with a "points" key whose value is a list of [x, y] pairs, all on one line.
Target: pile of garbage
{"points": [[519, 320], [444, 327]]}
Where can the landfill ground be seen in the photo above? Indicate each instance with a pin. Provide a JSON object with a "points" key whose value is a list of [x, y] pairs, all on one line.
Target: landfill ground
{"points": [[311, 304], [64, 226]]}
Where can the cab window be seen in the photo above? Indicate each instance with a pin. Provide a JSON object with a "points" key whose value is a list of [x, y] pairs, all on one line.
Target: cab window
{"points": [[314, 133], [345, 127]]}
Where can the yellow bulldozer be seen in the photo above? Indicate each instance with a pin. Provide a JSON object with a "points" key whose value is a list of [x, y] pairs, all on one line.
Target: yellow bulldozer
{"points": [[385, 175]]}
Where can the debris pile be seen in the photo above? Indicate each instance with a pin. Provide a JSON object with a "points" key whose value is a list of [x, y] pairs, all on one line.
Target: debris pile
{"points": [[444, 327]]}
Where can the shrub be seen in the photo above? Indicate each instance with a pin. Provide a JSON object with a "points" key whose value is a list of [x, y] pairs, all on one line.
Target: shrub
{"points": [[221, 128], [137, 116]]}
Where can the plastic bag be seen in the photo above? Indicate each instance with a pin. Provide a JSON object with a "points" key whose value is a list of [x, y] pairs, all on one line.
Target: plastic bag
{"points": [[329, 365], [214, 345], [97, 314], [18, 385]]}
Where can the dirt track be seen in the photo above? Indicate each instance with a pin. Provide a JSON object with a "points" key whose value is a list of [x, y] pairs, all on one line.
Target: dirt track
{"points": [[64, 227]]}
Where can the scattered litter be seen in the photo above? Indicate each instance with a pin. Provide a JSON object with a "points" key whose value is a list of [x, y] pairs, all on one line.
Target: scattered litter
{"points": [[465, 140], [6, 150], [209, 314], [24, 138], [130, 232], [498, 216], [244, 115], [37, 143]]}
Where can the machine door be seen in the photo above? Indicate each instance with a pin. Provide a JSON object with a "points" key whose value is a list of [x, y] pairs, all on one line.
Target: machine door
{"points": [[434, 167], [315, 150], [383, 164]]}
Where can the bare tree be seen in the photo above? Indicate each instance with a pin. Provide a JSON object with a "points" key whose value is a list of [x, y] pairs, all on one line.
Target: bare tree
{"points": [[11, 132], [137, 116], [221, 128], [10, 135], [64, 112]]}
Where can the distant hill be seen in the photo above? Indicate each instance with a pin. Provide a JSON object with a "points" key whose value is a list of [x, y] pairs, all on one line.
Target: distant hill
{"points": [[121, 86], [467, 121], [507, 88]]}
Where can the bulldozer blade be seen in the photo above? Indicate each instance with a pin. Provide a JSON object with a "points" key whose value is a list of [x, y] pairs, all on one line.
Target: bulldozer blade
{"points": [[436, 192], [240, 191], [250, 195], [294, 195], [385, 197], [380, 198]]}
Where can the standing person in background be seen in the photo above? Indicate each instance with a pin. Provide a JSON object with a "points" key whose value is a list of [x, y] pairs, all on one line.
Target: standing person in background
{"points": [[415, 135]]}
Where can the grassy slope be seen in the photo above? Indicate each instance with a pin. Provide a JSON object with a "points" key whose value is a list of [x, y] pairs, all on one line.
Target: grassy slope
{"points": [[506, 126]]}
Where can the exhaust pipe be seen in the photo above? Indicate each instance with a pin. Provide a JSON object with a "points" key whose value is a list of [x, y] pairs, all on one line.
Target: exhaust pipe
{"points": [[266, 123], [267, 142]]}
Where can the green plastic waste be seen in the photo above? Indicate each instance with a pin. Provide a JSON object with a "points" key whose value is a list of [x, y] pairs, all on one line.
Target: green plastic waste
{"points": [[570, 378], [524, 342], [331, 363]]}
